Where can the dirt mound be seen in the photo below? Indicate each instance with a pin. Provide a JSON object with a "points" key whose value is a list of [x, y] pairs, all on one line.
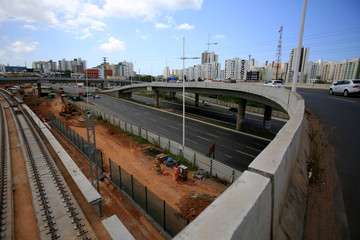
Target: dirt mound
{"points": [[192, 205]]}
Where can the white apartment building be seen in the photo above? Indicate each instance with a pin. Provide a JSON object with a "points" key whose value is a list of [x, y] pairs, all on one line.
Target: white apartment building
{"points": [[346, 69], [123, 69], [304, 56], [313, 70], [327, 73], [44, 66], [166, 72], [236, 69]]}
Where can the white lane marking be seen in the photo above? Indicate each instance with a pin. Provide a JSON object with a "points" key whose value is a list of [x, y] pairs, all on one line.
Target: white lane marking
{"points": [[173, 127], [163, 118], [344, 100], [153, 119], [222, 133], [212, 135], [259, 144], [228, 156], [253, 148], [203, 138], [245, 153]]}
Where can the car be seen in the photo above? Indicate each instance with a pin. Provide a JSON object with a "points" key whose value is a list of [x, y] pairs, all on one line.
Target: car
{"points": [[96, 96], [274, 83], [346, 87], [233, 109]]}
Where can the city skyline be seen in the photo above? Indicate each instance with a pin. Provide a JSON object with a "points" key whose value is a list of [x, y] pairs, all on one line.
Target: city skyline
{"points": [[149, 33]]}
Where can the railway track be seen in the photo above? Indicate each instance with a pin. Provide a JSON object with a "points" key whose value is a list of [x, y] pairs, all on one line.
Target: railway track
{"points": [[6, 194], [58, 214]]}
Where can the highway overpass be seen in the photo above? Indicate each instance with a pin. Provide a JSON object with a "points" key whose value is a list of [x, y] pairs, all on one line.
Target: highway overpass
{"points": [[251, 207]]}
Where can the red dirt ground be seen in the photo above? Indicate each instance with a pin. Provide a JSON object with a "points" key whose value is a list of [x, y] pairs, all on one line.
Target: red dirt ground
{"points": [[127, 153]]}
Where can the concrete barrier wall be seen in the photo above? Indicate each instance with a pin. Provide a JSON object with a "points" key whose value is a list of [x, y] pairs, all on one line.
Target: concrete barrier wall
{"points": [[243, 211]]}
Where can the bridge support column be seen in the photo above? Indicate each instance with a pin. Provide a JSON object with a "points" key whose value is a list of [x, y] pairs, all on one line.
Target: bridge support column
{"points": [[196, 100], [267, 117], [39, 89], [124, 95], [157, 98], [240, 117]]}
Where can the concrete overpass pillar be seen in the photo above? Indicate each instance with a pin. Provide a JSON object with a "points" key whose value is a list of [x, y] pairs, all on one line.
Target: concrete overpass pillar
{"points": [[157, 98], [39, 89], [240, 117], [267, 117], [196, 100]]}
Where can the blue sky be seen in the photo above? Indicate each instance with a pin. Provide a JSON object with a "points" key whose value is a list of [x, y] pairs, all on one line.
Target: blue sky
{"points": [[149, 32]]}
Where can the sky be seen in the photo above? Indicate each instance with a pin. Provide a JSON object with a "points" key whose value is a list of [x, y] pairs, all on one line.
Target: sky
{"points": [[150, 33]]}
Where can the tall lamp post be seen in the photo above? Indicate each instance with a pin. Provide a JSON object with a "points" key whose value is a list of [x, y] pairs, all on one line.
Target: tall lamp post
{"points": [[183, 78], [208, 54], [298, 50]]}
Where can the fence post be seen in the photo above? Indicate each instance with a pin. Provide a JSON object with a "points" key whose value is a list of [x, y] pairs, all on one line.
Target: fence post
{"points": [[146, 201], [164, 215], [194, 162], [132, 187], [233, 176], [110, 169], [211, 166], [120, 177]]}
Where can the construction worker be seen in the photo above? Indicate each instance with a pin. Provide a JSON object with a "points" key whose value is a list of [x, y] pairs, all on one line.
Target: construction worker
{"points": [[176, 172]]}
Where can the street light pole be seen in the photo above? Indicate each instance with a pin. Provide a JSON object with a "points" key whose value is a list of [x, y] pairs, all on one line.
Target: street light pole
{"points": [[208, 55], [298, 50], [183, 78]]}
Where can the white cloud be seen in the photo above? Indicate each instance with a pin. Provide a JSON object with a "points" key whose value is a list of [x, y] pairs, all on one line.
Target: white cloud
{"points": [[72, 15], [23, 46], [185, 26], [220, 36], [2, 53], [86, 33], [148, 9], [113, 45], [162, 25], [31, 27]]}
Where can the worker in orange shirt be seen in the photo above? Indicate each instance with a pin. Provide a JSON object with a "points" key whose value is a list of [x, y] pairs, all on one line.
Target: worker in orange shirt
{"points": [[176, 172]]}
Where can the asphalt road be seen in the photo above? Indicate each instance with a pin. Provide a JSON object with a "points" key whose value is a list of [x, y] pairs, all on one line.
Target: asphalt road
{"points": [[341, 117], [234, 149], [216, 112]]}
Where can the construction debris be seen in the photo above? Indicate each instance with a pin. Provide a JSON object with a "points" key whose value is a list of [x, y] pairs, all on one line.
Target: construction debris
{"points": [[200, 174]]}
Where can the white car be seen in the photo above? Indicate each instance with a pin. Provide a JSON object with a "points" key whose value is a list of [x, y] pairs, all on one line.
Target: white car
{"points": [[275, 83], [346, 87]]}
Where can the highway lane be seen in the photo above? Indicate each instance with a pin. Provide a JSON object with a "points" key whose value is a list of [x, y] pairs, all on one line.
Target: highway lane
{"points": [[234, 149], [341, 117], [221, 113]]}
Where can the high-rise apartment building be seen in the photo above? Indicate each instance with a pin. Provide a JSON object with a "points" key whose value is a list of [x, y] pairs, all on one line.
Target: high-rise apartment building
{"points": [[123, 69], [236, 69], [304, 56], [347, 69]]}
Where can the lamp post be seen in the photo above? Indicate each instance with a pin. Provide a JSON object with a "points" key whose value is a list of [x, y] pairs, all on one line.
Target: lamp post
{"points": [[183, 78], [208, 54], [298, 50]]}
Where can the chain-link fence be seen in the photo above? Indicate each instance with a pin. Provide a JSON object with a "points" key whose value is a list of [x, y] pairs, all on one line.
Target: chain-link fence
{"points": [[212, 166], [167, 217], [78, 141]]}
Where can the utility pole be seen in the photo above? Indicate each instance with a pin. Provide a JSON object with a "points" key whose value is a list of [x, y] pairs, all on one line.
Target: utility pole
{"points": [[298, 50], [104, 67], [208, 55], [278, 53], [183, 78]]}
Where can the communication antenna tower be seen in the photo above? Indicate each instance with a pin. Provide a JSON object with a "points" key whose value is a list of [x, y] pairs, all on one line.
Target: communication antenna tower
{"points": [[278, 53]]}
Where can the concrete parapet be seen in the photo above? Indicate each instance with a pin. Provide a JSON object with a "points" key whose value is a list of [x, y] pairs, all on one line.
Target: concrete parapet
{"points": [[277, 160], [243, 211]]}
